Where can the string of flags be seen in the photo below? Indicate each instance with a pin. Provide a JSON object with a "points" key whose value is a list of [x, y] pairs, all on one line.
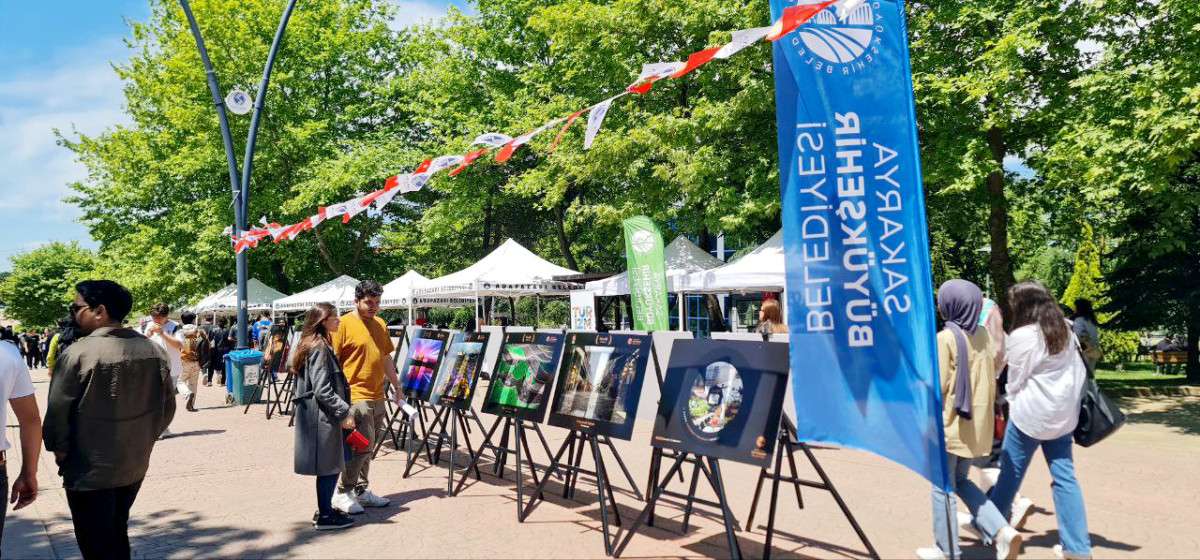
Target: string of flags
{"points": [[505, 146]]}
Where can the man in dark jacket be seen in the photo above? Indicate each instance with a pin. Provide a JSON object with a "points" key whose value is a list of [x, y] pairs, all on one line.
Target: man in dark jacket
{"points": [[108, 404]]}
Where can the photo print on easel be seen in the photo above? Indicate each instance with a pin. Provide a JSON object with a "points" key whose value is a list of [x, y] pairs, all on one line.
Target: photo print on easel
{"points": [[424, 352], [599, 383], [459, 371], [723, 399], [524, 372]]}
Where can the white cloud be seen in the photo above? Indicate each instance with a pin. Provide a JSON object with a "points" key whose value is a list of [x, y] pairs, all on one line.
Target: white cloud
{"points": [[76, 92], [410, 13]]}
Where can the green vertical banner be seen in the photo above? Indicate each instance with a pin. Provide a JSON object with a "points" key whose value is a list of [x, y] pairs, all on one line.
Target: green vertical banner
{"points": [[647, 274]]}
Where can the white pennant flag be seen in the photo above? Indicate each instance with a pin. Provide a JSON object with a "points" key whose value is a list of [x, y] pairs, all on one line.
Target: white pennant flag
{"points": [[492, 139], [658, 70], [595, 119], [415, 182], [335, 210], [742, 39], [228, 231], [442, 163]]}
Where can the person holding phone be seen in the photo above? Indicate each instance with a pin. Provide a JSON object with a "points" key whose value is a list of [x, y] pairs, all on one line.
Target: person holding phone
{"points": [[322, 412]]}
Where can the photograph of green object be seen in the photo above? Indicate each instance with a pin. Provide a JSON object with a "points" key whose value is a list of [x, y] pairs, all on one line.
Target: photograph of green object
{"points": [[525, 372]]}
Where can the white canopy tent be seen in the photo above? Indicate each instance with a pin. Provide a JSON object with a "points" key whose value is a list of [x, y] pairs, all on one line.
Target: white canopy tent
{"points": [[761, 270], [509, 271], [682, 258], [398, 293], [338, 292], [259, 297]]}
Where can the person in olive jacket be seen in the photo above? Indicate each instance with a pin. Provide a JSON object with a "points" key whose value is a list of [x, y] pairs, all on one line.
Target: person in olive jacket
{"points": [[322, 412]]}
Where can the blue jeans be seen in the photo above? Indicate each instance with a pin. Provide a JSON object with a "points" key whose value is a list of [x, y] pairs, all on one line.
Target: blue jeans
{"points": [[1068, 498], [987, 517]]}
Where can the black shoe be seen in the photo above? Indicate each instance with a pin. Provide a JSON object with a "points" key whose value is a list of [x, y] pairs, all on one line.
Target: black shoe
{"points": [[333, 521], [191, 402]]}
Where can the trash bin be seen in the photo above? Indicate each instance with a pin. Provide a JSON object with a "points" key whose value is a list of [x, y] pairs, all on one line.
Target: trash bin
{"points": [[242, 368]]}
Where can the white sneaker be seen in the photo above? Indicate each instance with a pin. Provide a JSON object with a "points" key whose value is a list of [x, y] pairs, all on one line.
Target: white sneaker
{"points": [[346, 503], [1008, 544], [1061, 555], [1020, 512], [369, 499], [966, 524], [166, 433], [930, 553]]}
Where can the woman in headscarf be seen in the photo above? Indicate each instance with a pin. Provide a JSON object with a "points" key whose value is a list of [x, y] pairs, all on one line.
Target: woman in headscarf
{"points": [[967, 372]]}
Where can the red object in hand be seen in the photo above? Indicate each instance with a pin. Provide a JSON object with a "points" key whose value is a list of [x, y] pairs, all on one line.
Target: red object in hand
{"points": [[357, 442]]}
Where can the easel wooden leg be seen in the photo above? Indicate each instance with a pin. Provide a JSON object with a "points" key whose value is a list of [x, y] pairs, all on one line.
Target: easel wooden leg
{"points": [[519, 476], [837, 496], [453, 450], [555, 463], [687, 509], [498, 468], [774, 501], [735, 551], [601, 480], [474, 464], [628, 477]]}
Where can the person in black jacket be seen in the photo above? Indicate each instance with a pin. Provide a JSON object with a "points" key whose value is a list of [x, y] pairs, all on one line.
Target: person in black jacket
{"points": [[322, 412], [220, 344]]}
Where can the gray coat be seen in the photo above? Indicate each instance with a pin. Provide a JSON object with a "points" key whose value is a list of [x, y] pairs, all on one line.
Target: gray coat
{"points": [[322, 403]]}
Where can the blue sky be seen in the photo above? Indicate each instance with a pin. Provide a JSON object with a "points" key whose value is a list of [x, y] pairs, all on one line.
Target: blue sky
{"points": [[56, 72]]}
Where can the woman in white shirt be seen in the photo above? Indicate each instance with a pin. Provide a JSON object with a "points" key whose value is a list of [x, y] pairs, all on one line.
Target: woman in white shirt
{"points": [[1045, 376]]}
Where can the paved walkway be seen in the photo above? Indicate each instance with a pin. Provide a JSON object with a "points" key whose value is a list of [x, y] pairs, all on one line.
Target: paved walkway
{"points": [[224, 488]]}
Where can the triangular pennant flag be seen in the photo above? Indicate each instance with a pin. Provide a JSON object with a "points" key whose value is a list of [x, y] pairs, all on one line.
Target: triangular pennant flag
{"points": [[694, 61], [415, 182], [492, 139], [570, 119], [393, 181], [443, 162], [506, 151], [468, 160], [333, 210], [367, 200], [355, 206], [742, 38], [795, 16], [595, 119], [317, 218], [424, 166], [652, 72], [304, 225]]}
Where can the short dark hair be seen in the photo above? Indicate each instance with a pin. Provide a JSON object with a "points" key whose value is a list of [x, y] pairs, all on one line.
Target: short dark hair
{"points": [[187, 317], [160, 309], [366, 289], [223, 322], [113, 296]]}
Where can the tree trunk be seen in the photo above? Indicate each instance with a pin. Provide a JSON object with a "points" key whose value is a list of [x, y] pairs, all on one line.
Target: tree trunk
{"points": [[1193, 348], [564, 244], [487, 223], [999, 263], [281, 280], [325, 255]]}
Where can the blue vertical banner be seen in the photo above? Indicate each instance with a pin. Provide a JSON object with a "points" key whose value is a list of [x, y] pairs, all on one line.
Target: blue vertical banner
{"points": [[859, 293]]}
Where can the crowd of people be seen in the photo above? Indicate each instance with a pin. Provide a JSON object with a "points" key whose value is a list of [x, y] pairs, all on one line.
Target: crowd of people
{"points": [[1006, 394]]}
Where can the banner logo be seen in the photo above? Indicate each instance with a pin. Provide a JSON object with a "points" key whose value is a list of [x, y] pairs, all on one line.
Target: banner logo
{"points": [[832, 44], [642, 241]]}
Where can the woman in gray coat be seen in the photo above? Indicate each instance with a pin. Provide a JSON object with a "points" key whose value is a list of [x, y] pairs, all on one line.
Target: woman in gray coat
{"points": [[322, 412]]}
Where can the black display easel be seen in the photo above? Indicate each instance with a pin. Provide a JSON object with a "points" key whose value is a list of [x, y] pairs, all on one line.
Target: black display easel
{"points": [[787, 445], [711, 468], [282, 404], [455, 418], [575, 459], [267, 381], [604, 490], [518, 428]]}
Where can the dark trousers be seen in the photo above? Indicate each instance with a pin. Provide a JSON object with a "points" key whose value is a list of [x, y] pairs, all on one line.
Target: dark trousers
{"points": [[101, 519], [31, 360], [3, 496]]}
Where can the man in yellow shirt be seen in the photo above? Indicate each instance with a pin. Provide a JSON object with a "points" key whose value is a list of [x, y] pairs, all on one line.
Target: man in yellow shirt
{"points": [[364, 348]]}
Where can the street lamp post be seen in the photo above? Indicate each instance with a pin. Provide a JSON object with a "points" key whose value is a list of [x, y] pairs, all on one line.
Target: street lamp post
{"points": [[239, 182]]}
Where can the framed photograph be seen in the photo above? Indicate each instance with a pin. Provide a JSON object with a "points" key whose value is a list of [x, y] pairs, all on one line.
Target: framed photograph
{"points": [[424, 354], [723, 399], [524, 372], [459, 371], [600, 383]]}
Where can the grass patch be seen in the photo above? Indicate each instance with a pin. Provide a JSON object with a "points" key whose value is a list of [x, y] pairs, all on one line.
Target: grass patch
{"points": [[1136, 374]]}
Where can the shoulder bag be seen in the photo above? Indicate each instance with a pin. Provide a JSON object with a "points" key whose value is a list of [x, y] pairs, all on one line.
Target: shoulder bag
{"points": [[1099, 417]]}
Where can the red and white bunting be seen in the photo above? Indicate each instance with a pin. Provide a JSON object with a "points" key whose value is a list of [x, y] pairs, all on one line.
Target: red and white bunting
{"points": [[403, 183], [742, 38], [595, 120]]}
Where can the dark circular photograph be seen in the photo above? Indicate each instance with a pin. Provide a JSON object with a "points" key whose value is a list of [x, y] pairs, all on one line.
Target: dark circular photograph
{"points": [[714, 400]]}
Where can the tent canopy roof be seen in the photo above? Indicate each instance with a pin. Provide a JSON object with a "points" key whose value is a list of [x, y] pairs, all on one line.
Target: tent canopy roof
{"points": [[760, 270], [259, 296], [510, 270], [339, 292], [682, 257], [398, 294]]}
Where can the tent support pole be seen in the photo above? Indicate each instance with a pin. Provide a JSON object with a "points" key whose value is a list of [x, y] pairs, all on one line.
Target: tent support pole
{"points": [[682, 313], [537, 298]]}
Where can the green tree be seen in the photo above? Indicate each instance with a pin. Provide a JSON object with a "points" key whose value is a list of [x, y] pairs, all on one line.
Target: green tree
{"points": [[157, 193], [1130, 155], [42, 282], [993, 79]]}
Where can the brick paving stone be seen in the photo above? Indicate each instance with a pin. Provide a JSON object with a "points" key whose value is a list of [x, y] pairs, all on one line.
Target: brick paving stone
{"points": [[225, 488]]}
